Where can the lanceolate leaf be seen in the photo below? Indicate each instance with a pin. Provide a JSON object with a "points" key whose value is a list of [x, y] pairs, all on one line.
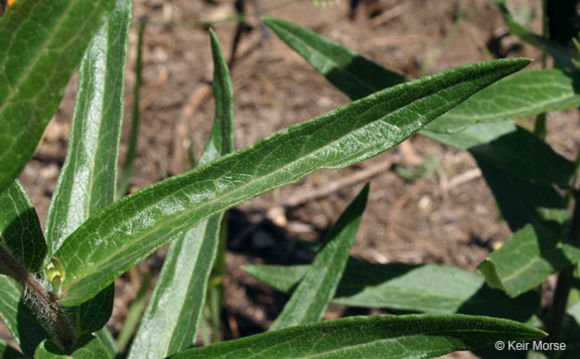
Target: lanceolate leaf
{"points": [[351, 73], [20, 231], [380, 336], [41, 43], [560, 53], [169, 324], [21, 323], [527, 259], [310, 300], [87, 347], [429, 288], [86, 183], [87, 180], [127, 231], [221, 137], [523, 94]]}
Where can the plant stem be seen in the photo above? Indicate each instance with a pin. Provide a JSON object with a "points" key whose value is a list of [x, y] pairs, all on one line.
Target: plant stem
{"points": [[564, 283], [42, 303]]}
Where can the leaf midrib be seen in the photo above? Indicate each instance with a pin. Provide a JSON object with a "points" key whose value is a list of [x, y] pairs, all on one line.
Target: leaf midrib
{"points": [[399, 337]]}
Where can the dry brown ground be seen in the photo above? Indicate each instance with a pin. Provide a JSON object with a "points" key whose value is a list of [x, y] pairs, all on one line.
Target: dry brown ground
{"points": [[436, 219]]}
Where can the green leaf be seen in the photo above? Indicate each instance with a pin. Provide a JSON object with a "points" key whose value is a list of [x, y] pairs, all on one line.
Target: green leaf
{"points": [[560, 53], [430, 288], [169, 324], [221, 137], [20, 231], [21, 323], [527, 259], [354, 75], [524, 94], [522, 202], [524, 155], [87, 347], [41, 43], [315, 291], [88, 178], [7, 352], [380, 336], [95, 313], [86, 183], [127, 231]]}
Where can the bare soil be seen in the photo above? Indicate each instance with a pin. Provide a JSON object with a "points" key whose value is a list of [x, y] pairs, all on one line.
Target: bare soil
{"points": [[447, 216]]}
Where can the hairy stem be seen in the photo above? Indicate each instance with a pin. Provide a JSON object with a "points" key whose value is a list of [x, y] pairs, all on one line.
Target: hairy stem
{"points": [[42, 303], [563, 286]]}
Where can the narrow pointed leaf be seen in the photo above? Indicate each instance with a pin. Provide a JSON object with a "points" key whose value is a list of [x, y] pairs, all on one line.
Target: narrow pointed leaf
{"points": [[380, 336], [560, 53], [354, 75], [7, 352], [221, 136], [127, 231], [429, 288], [21, 323], [87, 180], [315, 291], [86, 183], [20, 231], [87, 347], [527, 259], [169, 324], [41, 43], [524, 94]]}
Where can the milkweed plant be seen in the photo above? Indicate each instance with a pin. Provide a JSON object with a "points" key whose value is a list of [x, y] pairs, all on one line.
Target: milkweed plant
{"points": [[57, 284]]}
